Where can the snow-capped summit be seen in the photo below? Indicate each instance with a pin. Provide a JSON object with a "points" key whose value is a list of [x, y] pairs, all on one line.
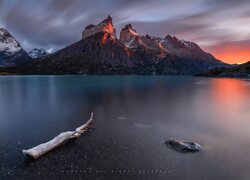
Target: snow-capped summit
{"points": [[106, 27], [8, 43], [37, 53], [11, 52]]}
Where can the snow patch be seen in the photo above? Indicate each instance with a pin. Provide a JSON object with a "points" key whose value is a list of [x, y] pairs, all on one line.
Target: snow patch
{"points": [[37, 53], [8, 44], [133, 32], [129, 43]]}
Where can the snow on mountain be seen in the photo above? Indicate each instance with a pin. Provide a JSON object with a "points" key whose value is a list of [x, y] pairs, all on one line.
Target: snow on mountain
{"points": [[100, 52], [11, 52], [162, 46], [37, 53], [128, 35], [8, 44]]}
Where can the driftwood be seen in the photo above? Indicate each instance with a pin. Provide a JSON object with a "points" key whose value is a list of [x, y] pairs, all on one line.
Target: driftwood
{"points": [[42, 149]]}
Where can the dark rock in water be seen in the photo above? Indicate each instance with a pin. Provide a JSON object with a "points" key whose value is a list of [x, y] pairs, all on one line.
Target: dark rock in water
{"points": [[183, 146]]}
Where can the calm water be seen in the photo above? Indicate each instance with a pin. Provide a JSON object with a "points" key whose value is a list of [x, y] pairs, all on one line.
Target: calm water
{"points": [[134, 116]]}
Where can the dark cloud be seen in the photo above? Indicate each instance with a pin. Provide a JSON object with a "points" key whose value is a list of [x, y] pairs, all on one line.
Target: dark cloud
{"points": [[55, 24], [172, 27]]}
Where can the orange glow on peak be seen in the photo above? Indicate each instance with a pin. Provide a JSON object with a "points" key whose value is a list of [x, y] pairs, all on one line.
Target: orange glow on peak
{"points": [[104, 38], [110, 28]]}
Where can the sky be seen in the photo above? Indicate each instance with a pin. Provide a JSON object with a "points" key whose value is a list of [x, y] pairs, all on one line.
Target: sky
{"points": [[221, 27]]}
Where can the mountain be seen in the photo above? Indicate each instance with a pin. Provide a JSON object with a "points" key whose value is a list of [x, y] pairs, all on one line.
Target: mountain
{"points": [[37, 53], [237, 71], [183, 57], [98, 52], [106, 27], [101, 52], [11, 52], [163, 46]]}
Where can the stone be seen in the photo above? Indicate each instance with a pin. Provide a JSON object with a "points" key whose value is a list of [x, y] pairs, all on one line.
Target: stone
{"points": [[183, 146]]}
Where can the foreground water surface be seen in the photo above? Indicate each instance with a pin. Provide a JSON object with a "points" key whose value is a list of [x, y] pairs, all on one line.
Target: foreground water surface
{"points": [[134, 116]]}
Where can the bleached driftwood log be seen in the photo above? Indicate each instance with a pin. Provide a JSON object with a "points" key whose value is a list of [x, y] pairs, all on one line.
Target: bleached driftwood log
{"points": [[41, 149]]}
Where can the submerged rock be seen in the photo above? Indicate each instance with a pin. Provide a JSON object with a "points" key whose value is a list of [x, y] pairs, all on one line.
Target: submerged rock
{"points": [[183, 146]]}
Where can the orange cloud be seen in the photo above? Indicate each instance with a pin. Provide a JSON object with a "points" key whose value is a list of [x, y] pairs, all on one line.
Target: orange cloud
{"points": [[233, 52]]}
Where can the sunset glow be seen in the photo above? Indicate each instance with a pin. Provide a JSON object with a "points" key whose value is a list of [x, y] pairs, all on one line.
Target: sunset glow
{"points": [[236, 57], [232, 54]]}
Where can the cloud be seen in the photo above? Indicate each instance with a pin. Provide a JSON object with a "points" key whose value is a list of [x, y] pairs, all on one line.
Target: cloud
{"points": [[232, 51], [55, 24]]}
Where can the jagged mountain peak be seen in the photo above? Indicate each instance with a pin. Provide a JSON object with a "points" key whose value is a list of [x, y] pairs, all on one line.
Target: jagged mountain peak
{"points": [[4, 32], [106, 27], [174, 41], [190, 44], [127, 26], [129, 35], [162, 47], [8, 44], [37, 53], [148, 37], [181, 43], [11, 52], [108, 20], [130, 30]]}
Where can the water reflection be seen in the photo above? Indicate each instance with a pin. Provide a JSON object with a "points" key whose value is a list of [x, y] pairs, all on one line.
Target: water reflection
{"points": [[134, 115], [230, 94], [230, 102]]}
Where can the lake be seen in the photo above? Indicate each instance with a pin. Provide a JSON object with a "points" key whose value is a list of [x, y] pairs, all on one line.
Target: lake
{"points": [[133, 117]]}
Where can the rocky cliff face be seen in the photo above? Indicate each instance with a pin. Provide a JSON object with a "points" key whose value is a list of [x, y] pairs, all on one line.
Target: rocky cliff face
{"points": [[176, 56], [11, 53], [135, 41], [128, 34], [98, 52], [105, 27], [163, 46], [185, 49]]}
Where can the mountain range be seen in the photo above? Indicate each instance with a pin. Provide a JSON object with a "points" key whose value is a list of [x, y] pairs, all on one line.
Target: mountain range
{"points": [[100, 51]]}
